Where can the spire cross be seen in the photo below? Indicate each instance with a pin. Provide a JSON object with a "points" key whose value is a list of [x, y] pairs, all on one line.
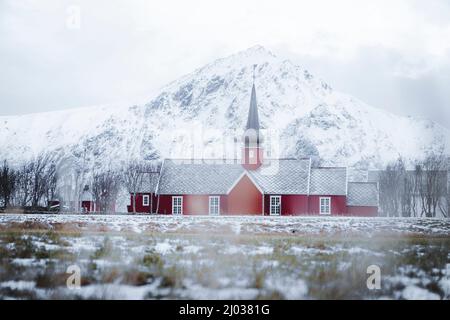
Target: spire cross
{"points": [[254, 68]]}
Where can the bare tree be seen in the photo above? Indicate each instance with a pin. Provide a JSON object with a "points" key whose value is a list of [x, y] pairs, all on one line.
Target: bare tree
{"points": [[390, 187], [43, 176], [432, 183], [35, 181], [444, 204], [80, 177], [65, 188], [105, 188], [74, 171], [23, 192], [8, 179], [133, 176], [416, 182], [407, 203], [50, 182]]}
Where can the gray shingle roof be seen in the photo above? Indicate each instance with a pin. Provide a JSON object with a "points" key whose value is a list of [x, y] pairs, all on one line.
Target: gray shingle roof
{"points": [[362, 194], [197, 177], [284, 176], [149, 182], [328, 181]]}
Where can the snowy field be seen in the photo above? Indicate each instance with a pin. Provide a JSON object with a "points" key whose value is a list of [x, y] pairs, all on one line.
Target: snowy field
{"points": [[154, 257]]}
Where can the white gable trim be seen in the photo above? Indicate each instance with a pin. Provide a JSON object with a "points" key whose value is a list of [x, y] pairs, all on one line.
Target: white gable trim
{"points": [[309, 177], [159, 177], [245, 173], [346, 181]]}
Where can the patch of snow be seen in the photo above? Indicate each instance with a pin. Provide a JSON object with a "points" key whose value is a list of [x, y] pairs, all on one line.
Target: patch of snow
{"points": [[112, 291], [27, 262], [192, 249], [263, 250], [164, 247], [18, 285], [290, 288], [416, 293], [232, 250]]}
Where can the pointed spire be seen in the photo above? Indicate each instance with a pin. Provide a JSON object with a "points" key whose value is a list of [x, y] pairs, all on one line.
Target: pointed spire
{"points": [[252, 156], [253, 119]]}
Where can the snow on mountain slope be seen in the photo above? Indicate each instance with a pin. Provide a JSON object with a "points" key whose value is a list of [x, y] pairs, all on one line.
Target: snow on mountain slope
{"points": [[204, 113], [344, 130]]}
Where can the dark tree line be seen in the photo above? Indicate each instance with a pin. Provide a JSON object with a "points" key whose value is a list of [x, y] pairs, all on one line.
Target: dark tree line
{"points": [[32, 184], [46, 178], [8, 178], [107, 184], [423, 191], [105, 188]]}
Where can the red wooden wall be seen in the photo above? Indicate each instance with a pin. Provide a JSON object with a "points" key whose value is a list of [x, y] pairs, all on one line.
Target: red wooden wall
{"points": [[140, 208], [164, 204], [245, 198], [192, 204], [199, 204], [291, 204], [338, 204]]}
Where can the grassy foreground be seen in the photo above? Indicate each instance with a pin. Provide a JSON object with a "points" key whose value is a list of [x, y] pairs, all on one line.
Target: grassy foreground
{"points": [[34, 263]]}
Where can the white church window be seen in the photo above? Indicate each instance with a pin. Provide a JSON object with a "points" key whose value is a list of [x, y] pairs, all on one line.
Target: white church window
{"points": [[146, 200], [177, 205], [214, 205], [325, 205], [275, 205]]}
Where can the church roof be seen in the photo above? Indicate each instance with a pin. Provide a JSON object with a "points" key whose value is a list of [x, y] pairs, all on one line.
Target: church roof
{"points": [[149, 182], [362, 194], [283, 176], [329, 181], [197, 177], [277, 176]]}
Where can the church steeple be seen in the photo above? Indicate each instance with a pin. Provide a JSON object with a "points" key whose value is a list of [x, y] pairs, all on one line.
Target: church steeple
{"points": [[253, 119], [252, 151]]}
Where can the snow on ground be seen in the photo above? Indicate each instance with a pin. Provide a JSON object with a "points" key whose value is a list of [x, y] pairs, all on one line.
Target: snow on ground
{"points": [[308, 225], [154, 257], [416, 293]]}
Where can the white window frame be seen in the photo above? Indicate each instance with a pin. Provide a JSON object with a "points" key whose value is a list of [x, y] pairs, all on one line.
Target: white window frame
{"points": [[177, 208], [275, 208], [145, 200], [325, 208], [214, 208]]}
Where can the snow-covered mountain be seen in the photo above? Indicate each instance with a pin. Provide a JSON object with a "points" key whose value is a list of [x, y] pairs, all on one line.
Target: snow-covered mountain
{"points": [[203, 113]]}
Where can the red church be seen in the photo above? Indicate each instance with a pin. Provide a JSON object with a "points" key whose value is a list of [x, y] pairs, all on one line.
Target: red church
{"points": [[254, 185]]}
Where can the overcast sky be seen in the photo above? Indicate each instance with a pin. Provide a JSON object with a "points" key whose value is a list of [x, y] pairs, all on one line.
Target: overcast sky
{"points": [[393, 54]]}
